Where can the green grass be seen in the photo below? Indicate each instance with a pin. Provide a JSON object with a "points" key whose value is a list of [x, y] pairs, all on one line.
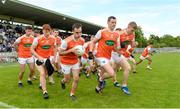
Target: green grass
{"points": [[159, 87]]}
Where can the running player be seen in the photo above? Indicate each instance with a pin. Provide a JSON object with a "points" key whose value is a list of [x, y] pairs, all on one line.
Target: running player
{"points": [[127, 36], [146, 54], [69, 58], [22, 45], [107, 40], [129, 56]]}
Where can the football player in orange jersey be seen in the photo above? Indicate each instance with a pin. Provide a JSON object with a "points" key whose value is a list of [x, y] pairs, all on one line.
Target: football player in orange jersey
{"points": [[146, 54], [69, 58], [41, 49], [22, 45], [108, 40], [127, 36]]}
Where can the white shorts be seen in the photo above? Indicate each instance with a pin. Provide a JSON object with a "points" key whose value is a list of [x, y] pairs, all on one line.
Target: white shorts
{"points": [[102, 61], [66, 69], [51, 58], [115, 57], [85, 61], [54, 58], [94, 52], [142, 57], [26, 60]]}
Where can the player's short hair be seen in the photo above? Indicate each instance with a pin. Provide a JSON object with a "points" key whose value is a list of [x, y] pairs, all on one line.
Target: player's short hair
{"points": [[37, 31], [111, 17], [118, 29], [29, 28], [150, 43], [46, 27], [133, 24], [76, 25]]}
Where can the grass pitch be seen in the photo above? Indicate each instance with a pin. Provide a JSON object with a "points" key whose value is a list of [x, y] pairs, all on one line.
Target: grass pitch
{"points": [[159, 87]]}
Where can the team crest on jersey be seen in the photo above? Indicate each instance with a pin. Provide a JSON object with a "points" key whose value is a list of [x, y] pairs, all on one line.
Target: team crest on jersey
{"points": [[109, 42], [27, 45], [46, 46], [127, 42]]}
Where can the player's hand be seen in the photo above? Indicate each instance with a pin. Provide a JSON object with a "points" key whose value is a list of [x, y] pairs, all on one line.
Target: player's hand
{"points": [[75, 51], [90, 55]]}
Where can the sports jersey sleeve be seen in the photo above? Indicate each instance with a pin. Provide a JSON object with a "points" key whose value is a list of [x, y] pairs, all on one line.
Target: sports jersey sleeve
{"points": [[18, 40], [64, 45], [35, 42], [98, 35]]}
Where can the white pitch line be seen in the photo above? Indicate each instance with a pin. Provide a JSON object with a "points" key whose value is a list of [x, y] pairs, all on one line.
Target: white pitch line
{"points": [[7, 105]]}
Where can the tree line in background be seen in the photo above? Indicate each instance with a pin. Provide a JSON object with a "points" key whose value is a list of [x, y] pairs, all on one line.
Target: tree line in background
{"points": [[158, 42]]}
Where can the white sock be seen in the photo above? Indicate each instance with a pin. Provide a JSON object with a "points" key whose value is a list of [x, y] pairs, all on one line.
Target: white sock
{"points": [[115, 81], [71, 94], [124, 85], [98, 88], [44, 91]]}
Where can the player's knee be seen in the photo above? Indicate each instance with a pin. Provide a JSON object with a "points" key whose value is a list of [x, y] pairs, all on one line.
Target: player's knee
{"points": [[128, 68], [67, 79], [112, 74], [76, 79]]}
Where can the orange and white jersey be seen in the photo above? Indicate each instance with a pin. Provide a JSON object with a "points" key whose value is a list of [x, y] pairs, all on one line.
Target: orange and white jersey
{"points": [[128, 51], [106, 44], [57, 43], [24, 44], [58, 40], [126, 37], [68, 43], [44, 45], [146, 51]]}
